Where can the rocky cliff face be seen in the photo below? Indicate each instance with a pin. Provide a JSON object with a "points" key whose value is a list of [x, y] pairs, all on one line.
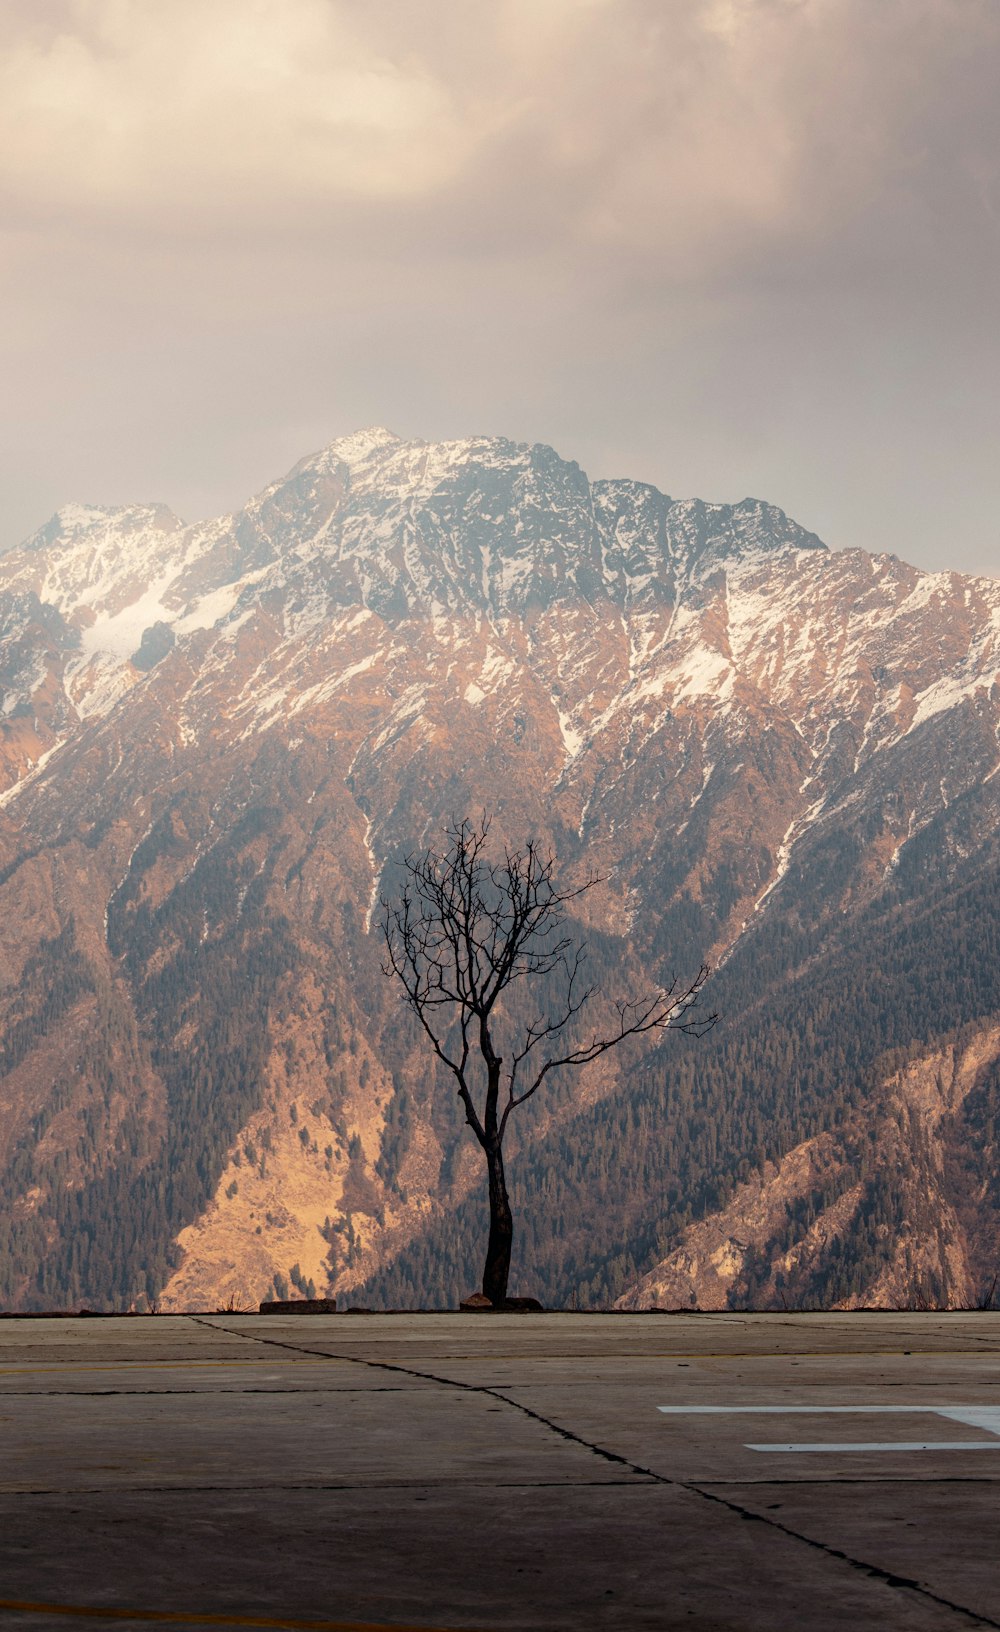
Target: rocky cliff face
{"points": [[216, 741], [776, 1237]]}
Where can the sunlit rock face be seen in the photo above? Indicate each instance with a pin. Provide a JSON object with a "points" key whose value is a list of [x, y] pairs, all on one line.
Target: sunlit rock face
{"points": [[216, 742]]}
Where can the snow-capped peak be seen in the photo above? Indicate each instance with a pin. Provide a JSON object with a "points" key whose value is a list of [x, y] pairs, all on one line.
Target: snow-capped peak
{"points": [[73, 522], [359, 446]]}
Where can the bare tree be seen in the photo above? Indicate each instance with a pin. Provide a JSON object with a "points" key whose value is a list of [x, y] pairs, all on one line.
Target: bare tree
{"points": [[465, 930]]}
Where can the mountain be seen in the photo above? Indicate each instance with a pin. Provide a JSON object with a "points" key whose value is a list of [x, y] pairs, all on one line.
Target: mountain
{"points": [[216, 743]]}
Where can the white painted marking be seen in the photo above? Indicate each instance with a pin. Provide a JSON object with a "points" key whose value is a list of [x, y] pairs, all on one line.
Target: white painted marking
{"points": [[975, 1416]]}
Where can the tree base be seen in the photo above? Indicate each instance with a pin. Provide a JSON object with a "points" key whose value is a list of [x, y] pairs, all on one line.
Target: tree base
{"points": [[479, 1304]]}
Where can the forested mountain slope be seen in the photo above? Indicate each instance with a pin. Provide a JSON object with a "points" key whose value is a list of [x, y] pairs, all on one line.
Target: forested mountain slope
{"points": [[216, 741]]}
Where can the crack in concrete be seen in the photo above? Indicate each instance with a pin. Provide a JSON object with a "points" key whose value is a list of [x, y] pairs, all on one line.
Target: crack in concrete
{"points": [[873, 1571], [445, 1382], [876, 1571]]}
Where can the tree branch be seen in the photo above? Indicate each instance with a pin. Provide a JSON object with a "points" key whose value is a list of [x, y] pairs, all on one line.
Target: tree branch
{"points": [[466, 929]]}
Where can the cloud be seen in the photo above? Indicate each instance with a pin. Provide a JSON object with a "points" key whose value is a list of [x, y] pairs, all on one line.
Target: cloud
{"points": [[692, 131], [700, 239], [707, 144], [192, 108]]}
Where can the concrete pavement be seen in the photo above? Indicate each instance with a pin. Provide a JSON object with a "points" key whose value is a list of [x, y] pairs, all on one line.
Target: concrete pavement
{"points": [[501, 1471]]}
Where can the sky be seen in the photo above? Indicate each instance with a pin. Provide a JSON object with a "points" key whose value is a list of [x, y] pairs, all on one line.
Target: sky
{"points": [[730, 247]]}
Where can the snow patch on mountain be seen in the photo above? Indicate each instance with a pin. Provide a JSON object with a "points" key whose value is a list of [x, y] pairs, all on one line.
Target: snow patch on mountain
{"points": [[378, 561], [118, 634], [573, 738]]}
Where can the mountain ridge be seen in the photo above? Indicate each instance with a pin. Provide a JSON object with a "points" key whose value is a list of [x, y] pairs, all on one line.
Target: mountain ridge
{"points": [[754, 740]]}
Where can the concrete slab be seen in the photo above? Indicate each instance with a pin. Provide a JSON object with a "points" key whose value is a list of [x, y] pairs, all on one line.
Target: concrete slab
{"points": [[501, 1472]]}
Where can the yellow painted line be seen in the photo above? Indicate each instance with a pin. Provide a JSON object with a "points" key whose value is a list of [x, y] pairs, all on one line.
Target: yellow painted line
{"points": [[95, 1612]]}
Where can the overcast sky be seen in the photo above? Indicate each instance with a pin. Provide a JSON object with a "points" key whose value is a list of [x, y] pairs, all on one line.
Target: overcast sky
{"points": [[728, 246]]}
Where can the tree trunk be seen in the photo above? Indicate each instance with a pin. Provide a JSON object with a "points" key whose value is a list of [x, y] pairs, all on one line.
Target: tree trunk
{"points": [[501, 1230]]}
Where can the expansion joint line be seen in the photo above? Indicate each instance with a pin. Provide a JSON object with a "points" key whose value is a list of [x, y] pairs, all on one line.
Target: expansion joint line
{"points": [[444, 1382], [874, 1571]]}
